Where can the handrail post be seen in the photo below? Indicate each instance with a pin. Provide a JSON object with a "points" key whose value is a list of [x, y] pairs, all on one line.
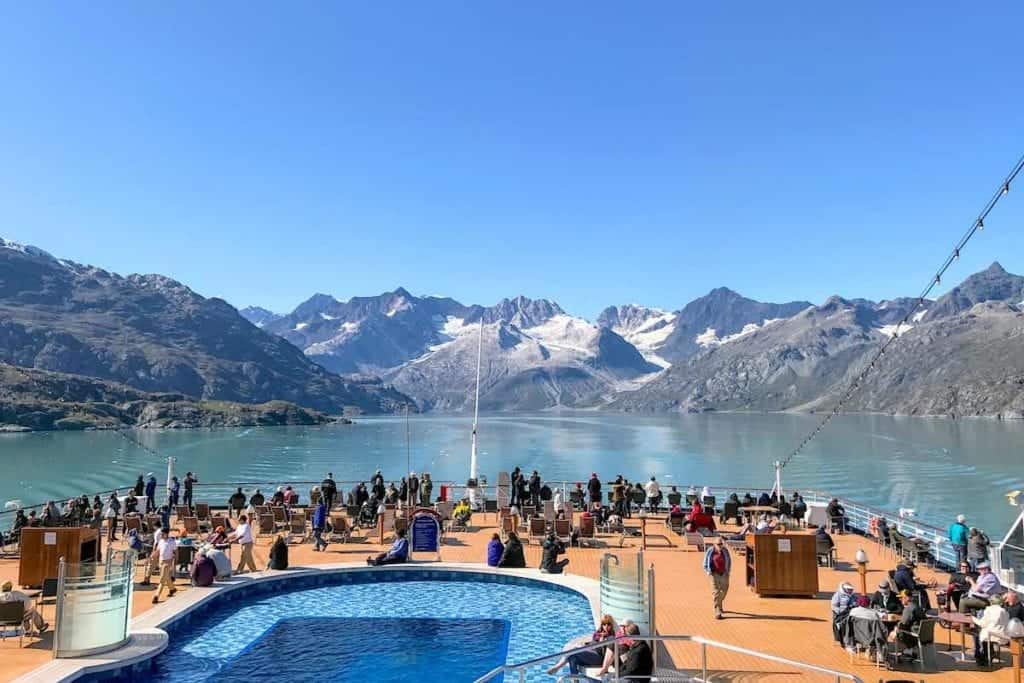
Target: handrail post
{"points": [[704, 662], [522, 676]]}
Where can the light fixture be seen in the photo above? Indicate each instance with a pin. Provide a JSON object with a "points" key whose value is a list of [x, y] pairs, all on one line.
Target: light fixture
{"points": [[981, 224], [1006, 188], [861, 557], [938, 279], [956, 254]]}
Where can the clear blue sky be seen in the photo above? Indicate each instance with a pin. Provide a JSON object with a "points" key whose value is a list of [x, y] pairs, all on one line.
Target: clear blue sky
{"points": [[590, 152]]}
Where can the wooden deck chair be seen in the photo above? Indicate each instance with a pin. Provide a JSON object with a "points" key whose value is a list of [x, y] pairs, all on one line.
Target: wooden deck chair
{"points": [[133, 522], [538, 529], [529, 512], [694, 540], [266, 525], [191, 526], [280, 518], [152, 523], [12, 618], [297, 527], [264, 510], [340, 529], [444, 508], [203, 514], [587, 530], [676, 524], [563, 530], [737, 546], [549, 511], [508, 525], [181, 512], [219, 520]]}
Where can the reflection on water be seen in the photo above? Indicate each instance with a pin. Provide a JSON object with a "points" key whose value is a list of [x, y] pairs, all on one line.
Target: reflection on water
{"points": [[938, 467]]}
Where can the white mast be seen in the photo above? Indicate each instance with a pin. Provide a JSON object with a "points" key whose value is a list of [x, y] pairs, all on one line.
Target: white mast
{"points": [[476, 414]]}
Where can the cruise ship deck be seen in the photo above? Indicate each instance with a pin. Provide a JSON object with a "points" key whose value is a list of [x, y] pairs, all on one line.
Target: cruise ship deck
{"points": [[792, 628]]}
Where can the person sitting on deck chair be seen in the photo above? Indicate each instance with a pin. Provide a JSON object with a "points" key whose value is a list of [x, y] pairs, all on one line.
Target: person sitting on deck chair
{"points": [[991, 629], [397, 554], [911, 618], [462, 513], [885, 598], [836, 515], [549, 563], [512, 557], [33, 621], [982, 589]]}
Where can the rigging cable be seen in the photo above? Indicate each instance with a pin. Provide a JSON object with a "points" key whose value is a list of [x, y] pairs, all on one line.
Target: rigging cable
{"points": [[977, 226]]}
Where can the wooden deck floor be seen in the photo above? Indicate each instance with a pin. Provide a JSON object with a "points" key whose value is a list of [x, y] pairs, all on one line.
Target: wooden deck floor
{"points": [[795, 628]]}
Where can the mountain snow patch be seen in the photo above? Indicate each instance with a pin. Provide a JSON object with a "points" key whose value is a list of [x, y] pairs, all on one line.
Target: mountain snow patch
{"points": [[891, 330], [300, 327], [709, 337], [565, 332], [919, 316]]}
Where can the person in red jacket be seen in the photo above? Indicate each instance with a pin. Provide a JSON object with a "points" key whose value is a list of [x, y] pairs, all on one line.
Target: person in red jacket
{"points": [[699, 519]]}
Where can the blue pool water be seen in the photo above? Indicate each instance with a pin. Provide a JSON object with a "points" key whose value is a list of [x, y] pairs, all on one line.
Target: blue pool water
{"points": [[386, 626], [343, 649]]}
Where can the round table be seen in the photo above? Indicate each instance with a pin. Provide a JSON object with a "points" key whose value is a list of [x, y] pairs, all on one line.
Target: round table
{"points": [[963, 623]]}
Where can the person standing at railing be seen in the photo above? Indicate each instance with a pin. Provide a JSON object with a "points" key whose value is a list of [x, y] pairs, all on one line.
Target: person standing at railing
{"points": [[140, 487], [190, 481], [329, 490], [319, 524], [977, 547], [174, 491], [150, 493], [426, 489], [958, 532], [594, 488], [717, 565], [414, 490], [534, 489]]}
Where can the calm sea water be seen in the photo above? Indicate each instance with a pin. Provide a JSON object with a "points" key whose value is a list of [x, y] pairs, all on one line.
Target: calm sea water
{"points": [[938, 467]]}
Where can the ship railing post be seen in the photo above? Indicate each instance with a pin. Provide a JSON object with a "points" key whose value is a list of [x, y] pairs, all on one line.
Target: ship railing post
{"points": [[703, 662]]}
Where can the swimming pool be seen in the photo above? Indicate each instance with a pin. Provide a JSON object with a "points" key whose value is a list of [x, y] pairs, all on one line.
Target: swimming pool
{"points": [[423, 625]]}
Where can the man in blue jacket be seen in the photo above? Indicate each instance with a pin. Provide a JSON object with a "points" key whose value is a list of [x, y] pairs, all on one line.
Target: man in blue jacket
{"points": [[319, 523], [397, 554], [717, 564], [958, 532]]}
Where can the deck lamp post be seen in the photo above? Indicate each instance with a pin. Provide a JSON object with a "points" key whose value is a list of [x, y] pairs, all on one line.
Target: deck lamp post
{"points": [[861, 558]]}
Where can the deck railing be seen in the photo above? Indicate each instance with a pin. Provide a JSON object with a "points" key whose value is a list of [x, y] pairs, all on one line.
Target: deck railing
{"points": [[859, 515], [519, 670]]}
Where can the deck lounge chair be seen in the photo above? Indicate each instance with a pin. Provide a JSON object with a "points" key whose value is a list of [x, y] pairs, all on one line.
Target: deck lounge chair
{"points": [[297, 527], [538, 529], [267, 526], [587, 530], [152, 523], [220, 520], [694, 540], [508, 525], [677, 524], [549, 511], [340, 529], [280, 518], [563, 530], [191, 525], [182, 511], [203, 514]]}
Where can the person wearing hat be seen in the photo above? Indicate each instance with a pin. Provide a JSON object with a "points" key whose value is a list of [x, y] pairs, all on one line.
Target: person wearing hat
{"points": [[885, 598], [717, 565], [33, 622], [594, 488], [843, 599], [977, 546], [958, 532], [982, 589]]}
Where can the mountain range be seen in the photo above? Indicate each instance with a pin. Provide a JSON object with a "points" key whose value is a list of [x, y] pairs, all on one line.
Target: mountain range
{"points": [[721, 351], [958, 355]]}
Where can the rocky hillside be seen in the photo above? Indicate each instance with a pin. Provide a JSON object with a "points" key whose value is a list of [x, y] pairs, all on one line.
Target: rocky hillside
{"points": [[962, 355], [156, 335], [41, 400]]}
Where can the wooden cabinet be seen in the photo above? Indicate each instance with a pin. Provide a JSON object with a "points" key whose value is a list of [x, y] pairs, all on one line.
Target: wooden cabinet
{"points": [[42, 548], [782, 564]]}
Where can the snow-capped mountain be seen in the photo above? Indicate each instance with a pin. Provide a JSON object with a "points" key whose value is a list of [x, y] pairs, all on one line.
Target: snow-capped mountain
{"points": [[410, 339], [259, 317], [645, 328]]}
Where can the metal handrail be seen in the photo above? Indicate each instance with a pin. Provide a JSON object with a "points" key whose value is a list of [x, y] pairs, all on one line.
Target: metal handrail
{"points": [[521, 667]]}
